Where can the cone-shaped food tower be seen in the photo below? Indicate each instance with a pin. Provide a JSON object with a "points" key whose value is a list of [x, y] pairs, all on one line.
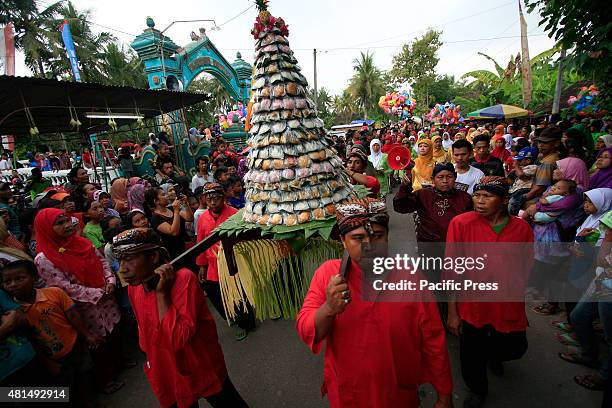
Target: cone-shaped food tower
{"points": [[295, 175]]}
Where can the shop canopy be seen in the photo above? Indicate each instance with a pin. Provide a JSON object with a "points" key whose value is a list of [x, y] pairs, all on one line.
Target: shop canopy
{"points": [[51, 105], [498, 112]]}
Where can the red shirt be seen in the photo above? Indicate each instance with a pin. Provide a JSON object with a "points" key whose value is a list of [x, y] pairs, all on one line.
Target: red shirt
{"points": [[378, 353], [86, 158], [373, 185], [184, 358], [207, 224], [473, 227]]}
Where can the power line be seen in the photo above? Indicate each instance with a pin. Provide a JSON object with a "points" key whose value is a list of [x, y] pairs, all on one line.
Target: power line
{"points": [[237, 15], [437, 25]]}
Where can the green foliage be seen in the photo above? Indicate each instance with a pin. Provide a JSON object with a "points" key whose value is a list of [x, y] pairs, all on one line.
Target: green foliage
{"points": [[416, 65], [505, 85], [367, 84], [583, 28], [100, 57], [205, 112]]}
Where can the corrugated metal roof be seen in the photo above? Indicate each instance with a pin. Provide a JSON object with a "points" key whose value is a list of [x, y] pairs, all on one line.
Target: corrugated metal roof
{"points": [[49, 100]]}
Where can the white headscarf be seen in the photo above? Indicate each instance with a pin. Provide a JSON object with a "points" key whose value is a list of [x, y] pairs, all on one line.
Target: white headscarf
{"points": [[602, 200], [446, 143], [375, 158], [607, 139]]}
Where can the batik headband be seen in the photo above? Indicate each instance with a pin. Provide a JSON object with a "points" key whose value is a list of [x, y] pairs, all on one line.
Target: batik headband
{"points": [[493, 184], [213, 188], [134, 241], [361, 213]]}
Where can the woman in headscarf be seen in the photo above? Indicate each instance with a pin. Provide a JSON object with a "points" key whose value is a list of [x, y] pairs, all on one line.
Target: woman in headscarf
{"points": [[379, 161], [469, 135], [119, 191], [603, 175], [499, 148], [70, 262], [439, 154], [602, 142], [572, 168], [422, 173], [136, 197], [447, 142]]}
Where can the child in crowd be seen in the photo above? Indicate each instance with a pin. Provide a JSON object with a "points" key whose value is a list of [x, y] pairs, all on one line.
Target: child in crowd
{"points": [[93, 231], [234, 193], [105, 201], [137, 219], [55, 325], [558, 191], [524, 172], [510, 163], [19, 365]]}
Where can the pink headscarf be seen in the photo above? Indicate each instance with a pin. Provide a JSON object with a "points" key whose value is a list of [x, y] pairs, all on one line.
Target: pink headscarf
{"points": [[575, 169]]}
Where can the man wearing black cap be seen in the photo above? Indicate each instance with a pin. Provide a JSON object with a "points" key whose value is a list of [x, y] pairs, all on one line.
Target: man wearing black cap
{"points": [[435, 206], [489, 332], [548, 146]]}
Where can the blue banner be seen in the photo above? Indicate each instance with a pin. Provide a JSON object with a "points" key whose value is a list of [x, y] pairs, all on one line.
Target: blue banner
{"points": [[69, 44]]}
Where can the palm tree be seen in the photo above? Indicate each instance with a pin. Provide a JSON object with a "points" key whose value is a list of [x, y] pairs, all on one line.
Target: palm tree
{"points": [[366, 85], [32, 33], [89, 46], [344, 106], [122, 68]]}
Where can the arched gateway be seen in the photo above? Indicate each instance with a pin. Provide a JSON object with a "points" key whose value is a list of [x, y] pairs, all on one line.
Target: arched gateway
{"points": [[169, 66]]}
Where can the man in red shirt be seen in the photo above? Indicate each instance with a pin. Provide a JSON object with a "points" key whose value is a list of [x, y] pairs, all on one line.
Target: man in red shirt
{"points": [[376, 353], [489, 333], [356, 164], [175, 328], [218, 211]]}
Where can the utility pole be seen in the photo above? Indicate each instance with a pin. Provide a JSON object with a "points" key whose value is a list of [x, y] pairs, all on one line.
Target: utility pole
{"points": [[316, 92], [559, 85]]}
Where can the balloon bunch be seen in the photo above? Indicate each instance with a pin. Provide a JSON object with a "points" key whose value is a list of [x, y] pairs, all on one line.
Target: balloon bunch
{"points": [[584, 103], [447, 113], [397, 103]]}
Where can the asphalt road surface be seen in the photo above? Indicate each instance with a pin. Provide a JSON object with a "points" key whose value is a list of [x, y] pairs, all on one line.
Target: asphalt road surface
{"points": [[273, 368]]}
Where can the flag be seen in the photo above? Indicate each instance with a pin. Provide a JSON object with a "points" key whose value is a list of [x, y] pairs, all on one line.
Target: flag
{"points": [[526, 62], [7, 50], [69, 44]]}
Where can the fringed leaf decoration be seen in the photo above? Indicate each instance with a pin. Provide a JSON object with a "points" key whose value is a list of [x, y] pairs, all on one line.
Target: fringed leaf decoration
{"points": [[272, 276]]}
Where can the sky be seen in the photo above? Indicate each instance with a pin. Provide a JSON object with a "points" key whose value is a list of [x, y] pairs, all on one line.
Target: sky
{"points": [[338, 29]]}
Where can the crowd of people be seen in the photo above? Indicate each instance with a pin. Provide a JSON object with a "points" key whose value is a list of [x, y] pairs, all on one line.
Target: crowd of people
{"points": [[81, 265]]}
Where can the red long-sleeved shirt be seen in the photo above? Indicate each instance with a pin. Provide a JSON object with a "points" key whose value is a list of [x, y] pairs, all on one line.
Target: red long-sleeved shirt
{"points": [[473, 227], [378, 353], [207, 224], [184, 358]]}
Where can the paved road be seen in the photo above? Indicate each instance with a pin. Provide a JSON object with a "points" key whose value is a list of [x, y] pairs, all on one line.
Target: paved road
{"points": [[272, 368]]}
